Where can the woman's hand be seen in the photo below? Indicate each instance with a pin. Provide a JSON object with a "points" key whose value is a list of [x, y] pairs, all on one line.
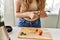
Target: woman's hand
{"points": [[29, 14], [43, 14], [32, 15], [35, 15]]}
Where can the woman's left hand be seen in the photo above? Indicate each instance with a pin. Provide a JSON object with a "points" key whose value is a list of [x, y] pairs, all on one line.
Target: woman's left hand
{"points": [[35, 15], [43, 14]]}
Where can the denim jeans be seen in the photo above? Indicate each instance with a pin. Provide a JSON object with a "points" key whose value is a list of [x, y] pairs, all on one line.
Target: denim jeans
{"points": [[24, 23]]}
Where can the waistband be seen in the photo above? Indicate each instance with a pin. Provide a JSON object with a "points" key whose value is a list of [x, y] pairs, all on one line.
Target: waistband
{"points": [[22, 19]]}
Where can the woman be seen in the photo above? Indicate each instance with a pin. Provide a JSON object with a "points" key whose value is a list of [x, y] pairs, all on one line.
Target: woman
{"points": [[29, 12]]}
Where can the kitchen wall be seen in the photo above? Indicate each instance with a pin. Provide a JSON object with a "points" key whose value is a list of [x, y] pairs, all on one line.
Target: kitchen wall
{"points": [[9, 12]]}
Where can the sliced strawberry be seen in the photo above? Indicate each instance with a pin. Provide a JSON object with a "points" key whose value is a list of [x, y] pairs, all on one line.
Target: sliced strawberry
{"points": [[40, 32]]}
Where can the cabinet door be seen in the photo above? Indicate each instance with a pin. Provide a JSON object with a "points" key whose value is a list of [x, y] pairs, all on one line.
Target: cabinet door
{"points": [[59, 19], [50, 21]]}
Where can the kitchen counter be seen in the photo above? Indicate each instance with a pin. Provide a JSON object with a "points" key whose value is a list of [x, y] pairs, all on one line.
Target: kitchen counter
{"points": [[55, 33]]}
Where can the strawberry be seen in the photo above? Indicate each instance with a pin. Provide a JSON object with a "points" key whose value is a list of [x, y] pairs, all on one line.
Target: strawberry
{"points": [[40, 32]]}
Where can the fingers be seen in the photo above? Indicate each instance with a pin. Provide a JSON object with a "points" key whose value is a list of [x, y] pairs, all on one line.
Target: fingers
{"points": [[43, 14], [32, 15], [35, 16]]}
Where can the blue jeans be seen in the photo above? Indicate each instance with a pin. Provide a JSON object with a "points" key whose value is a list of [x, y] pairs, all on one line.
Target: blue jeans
{"points": [[24, 23]]}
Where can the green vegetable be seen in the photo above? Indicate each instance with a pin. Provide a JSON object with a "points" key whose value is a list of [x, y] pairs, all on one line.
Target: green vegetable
{"points": [[22, 33]]}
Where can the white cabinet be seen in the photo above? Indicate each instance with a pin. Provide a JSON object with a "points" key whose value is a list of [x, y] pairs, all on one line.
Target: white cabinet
{"points": [[59, 23], [50, 21], [59, 20]]}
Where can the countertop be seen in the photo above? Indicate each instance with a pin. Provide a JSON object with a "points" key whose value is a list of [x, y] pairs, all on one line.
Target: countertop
{"points": [[55, 33]]}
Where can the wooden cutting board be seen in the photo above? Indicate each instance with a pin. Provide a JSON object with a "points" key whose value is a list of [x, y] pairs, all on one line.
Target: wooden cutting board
{"points": [[30, 34]]}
